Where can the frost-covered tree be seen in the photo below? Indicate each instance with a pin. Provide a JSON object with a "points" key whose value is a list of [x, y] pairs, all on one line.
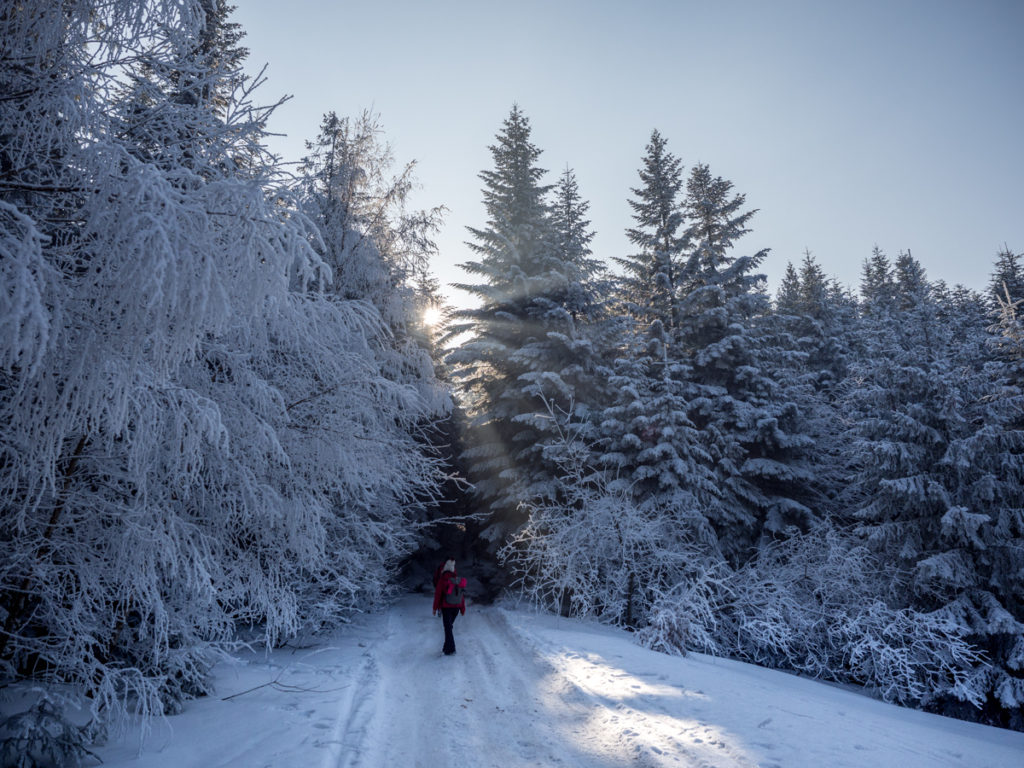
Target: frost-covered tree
{"points": [[100, 442], [534, 268], [377, 249], [184, 105], [648, 445], [819, 602], [751, 436], [568, 373], [651, 278], [1007, 278], [195, 432]]}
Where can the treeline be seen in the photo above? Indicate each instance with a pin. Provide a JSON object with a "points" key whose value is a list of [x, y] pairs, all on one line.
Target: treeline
{"points": [[216, 401], [821, 481]]}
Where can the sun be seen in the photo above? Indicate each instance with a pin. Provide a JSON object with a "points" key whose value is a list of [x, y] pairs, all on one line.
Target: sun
{"points": [[432, 316]]}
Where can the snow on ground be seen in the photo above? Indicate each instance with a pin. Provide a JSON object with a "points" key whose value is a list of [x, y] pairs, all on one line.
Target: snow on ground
{"points": [[535, 690]]}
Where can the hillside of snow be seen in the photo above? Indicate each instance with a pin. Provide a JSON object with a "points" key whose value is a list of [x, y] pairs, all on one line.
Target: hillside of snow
{"points": [[535, 690]]}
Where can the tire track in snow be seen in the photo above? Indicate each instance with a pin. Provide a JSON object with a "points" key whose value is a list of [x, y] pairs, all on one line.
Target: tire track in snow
{"points": [[354, 717]]}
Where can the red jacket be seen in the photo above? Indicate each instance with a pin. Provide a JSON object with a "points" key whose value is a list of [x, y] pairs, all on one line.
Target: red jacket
{"points": [[442, 589]]}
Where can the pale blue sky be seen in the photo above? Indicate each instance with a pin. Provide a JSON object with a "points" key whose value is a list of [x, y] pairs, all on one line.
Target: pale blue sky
{"points": [[847, 124]]}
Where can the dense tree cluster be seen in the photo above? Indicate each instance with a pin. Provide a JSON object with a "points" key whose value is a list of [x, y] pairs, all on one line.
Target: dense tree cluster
{"points": [[212, 397], [827, 482]]}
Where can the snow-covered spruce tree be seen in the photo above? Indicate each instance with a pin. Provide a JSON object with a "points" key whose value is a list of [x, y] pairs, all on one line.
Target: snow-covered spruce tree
{"points": [[175, 387], [1007, 278], [522, 327], [788, 297], [750, 435], [821, 316], [647, 442], [928, 463], [808, 348], [568, 372], [651, 455], [650, 285]]}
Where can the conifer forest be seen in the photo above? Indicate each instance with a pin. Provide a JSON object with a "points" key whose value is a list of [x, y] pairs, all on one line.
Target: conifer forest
{"points": [[223, 416]]}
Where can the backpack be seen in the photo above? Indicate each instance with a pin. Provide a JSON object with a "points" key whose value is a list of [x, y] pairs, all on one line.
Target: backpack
{"points": [[438, 572], [454, 595]]}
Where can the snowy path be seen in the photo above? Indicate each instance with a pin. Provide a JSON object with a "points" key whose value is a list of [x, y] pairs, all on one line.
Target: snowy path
{"points": [[492, 704], [530, 690], [500, 702]]}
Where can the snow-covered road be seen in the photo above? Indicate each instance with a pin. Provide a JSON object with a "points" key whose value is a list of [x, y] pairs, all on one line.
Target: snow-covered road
{"points": [[495, 703], [533, 690], [501, 702]]}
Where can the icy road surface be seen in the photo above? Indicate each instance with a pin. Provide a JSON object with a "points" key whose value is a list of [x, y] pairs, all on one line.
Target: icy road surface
{"points": [[532, 690]]}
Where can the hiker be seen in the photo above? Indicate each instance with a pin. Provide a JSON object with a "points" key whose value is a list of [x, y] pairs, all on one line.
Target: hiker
{"points": [[449, 598]]}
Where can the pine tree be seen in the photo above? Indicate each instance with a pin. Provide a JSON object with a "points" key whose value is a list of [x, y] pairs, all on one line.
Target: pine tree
{"points": [[877, 286], [572, 240], [523, 325], [1007, 278], [568, 375], [651, 283], [789, 298], [805, 347], [984, 470], [649, 447], [647, 443], [749, 434]]}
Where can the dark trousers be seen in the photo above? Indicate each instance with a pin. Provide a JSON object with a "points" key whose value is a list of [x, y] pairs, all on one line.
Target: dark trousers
{"points": [[448, 619]]}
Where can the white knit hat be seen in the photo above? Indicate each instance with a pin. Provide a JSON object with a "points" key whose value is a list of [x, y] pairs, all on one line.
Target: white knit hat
{"points": [[449, 565]]}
